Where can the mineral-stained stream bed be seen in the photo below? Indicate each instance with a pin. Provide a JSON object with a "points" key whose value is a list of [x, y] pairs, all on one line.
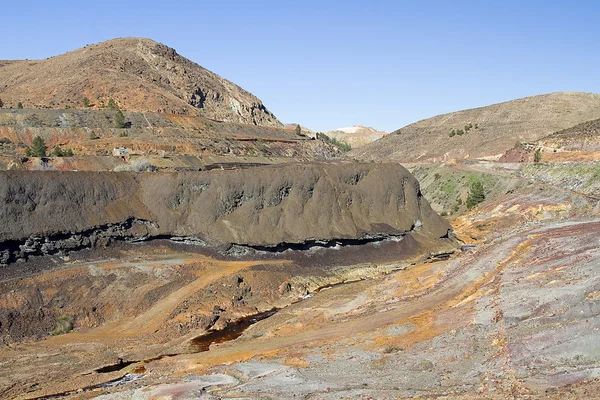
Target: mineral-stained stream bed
{"points": [[231, 332]]}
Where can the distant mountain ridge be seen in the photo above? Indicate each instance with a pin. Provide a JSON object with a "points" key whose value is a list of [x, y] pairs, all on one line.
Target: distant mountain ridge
{"points": [[357, 135], [485, 131], [138, 74]]}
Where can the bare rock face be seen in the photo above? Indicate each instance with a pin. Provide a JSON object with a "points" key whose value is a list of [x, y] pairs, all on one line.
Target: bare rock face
{"points": [[138, 74], [263, 207]]}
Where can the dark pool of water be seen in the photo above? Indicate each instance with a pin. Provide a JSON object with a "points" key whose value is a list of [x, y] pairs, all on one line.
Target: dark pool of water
{"points": [[231, 332]]}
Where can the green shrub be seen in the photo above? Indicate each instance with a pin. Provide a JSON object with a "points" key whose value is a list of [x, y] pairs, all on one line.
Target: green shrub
{"points": [[112, 105], [19, 105], [340, 145], [123, 134], [38, 148], [476, 194], [298, 130], [86, 102], [460, 132], [1, 103], [537, 156], [64, 324], [57, 152], [452, 133], [93, 136], [119, 119]]}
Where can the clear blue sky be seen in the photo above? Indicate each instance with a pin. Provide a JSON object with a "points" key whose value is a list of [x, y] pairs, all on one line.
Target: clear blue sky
{"points": [[330, 64]]}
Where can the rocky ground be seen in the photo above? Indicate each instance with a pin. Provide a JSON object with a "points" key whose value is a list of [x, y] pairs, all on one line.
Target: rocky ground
{"points": [[516, 316]]}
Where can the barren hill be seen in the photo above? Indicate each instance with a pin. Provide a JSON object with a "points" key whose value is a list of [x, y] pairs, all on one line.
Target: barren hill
{"points": [[139, 74], [357, 136], [485, 131]]}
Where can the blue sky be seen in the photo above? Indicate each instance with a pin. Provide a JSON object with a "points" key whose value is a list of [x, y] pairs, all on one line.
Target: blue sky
{"points": [[330, 64]]}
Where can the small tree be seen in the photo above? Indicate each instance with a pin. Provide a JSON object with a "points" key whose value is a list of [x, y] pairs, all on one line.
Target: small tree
{"points": [[112, 105], [537, 156], [1, 103], [86, 102], [57, 152], [476, 194], [38, 148], [119, 119], [298, 130], [19, 105]]}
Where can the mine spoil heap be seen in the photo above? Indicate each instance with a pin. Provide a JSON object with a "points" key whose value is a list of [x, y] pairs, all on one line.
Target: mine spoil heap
{"points": [[264, 207]]}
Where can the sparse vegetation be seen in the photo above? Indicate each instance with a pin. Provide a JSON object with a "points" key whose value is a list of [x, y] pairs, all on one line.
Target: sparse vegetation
{"points": [[93, 136], [392, 349], [123, 134], [64, 324], [340, 145], [86, 102], [38, 148], [537, 156]]}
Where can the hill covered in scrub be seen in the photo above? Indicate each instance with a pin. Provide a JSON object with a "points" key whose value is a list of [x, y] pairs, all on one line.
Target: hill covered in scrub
{"points": [[138, 74], [485, 131]]}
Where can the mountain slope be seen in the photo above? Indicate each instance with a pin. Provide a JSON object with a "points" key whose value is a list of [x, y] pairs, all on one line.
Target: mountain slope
{"points": [[139, 74], [493, 129]]}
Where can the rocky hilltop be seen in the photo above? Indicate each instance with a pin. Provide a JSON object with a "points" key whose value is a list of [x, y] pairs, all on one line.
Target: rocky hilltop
{"points": [[260, 208], [483, 132], [138, 74]]}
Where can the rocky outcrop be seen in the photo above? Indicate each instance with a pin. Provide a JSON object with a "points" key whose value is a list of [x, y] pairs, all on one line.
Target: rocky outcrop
{"points": [[138, 74], [263, 207]]}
